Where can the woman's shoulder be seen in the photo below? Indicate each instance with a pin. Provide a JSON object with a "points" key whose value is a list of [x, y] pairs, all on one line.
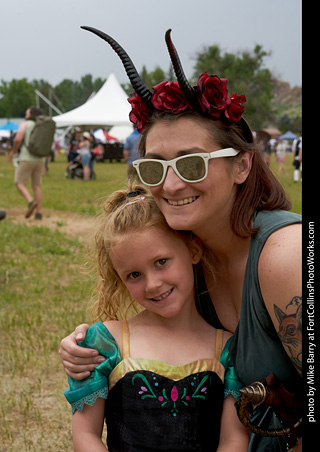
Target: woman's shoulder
{"points": [[279, 239], [281, 248]]}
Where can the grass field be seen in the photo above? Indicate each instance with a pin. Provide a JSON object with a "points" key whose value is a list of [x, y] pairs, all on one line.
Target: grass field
{"points": [[43, 294]]}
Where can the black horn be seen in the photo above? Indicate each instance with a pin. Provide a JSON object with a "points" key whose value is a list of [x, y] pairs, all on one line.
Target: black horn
{"points": [[188, 91], [143, 92]]}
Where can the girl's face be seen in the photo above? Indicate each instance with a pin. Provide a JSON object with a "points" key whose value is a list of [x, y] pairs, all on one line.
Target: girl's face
{"points": [[157, 269], [190, 206]]}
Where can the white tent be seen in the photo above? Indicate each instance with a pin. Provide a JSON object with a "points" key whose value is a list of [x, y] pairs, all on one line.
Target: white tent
{"points": [[109, 107], [121, 132]]}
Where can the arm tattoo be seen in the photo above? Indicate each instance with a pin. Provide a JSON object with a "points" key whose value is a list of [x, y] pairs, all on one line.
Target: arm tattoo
{"points": [[290, 330]]}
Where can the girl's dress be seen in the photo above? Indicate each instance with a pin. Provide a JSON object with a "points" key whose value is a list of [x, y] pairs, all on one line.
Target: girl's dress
{"points": [[151, 405]]}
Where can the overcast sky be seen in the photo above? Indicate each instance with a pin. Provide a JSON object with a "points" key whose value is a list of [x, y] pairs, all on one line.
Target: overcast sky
{"points": [[42, 39]]}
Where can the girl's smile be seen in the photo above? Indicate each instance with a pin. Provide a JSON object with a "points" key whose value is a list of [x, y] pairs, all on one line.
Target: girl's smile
{"points": [[163, 296], [157, 268]]}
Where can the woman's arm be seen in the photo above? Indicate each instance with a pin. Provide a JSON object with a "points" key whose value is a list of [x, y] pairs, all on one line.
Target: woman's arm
{"points": [[78, 361], [87, 427], [280, 277], [234, 437]]}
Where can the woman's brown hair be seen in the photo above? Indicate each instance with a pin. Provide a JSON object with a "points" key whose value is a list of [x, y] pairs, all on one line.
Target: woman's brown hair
{"points": [[260, 191]]}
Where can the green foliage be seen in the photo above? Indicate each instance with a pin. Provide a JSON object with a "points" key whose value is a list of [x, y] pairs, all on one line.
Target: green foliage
{"points": [[256, 84], [72, 94], [155, 77], [17, 96]]}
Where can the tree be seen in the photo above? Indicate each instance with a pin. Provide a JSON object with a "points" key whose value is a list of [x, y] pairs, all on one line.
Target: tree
{"points": [[246, 75], [72, 94], [17, 96], [154, 78]]}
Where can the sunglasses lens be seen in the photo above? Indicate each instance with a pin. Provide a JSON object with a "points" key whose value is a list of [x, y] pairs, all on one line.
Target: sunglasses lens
{"points": [[192, 167], [151, 172]]}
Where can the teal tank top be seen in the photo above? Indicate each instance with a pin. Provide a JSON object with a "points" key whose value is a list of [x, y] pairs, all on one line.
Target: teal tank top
{"points": [[255, 336], [255, 348]]}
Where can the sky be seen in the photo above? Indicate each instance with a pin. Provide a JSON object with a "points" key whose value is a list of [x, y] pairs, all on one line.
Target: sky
{"points": [[42, 39]]}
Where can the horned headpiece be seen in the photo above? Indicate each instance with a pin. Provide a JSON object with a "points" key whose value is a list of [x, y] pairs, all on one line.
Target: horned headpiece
{"points": [[210, 96]]}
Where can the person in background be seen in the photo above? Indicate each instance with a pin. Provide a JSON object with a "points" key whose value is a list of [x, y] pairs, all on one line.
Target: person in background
{"points": [[281, 148], [85, 152], [131, 153], [73, 147], [29, 165], [297, 143]]}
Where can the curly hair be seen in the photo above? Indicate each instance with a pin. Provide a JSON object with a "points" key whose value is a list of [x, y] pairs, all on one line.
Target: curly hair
{"points": [[125, 212]]}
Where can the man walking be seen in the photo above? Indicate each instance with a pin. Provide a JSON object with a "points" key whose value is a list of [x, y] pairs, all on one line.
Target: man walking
{"points": [[29, 165]]}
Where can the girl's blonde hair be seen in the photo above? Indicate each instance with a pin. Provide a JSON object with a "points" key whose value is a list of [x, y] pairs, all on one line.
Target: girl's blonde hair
{"points": [[124, 212]]}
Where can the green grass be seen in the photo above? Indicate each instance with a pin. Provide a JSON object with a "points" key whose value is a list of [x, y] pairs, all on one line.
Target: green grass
{"points": [[60, 193], [43, 295]]}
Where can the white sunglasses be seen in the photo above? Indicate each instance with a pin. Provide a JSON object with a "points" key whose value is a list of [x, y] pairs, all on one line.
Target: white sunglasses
{"points": [[190, 168]]}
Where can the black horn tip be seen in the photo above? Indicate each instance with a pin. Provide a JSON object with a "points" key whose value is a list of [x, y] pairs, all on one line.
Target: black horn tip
{"points": [[97, 32], [85, 27]]}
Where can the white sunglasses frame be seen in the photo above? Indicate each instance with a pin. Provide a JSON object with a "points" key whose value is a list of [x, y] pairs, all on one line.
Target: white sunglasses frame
{"points": [[227, 152]]}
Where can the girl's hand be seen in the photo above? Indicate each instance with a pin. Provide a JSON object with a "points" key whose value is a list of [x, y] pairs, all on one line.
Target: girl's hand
{"points": [[78, 362]]}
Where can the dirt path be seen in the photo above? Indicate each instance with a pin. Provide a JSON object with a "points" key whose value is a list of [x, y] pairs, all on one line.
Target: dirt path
{"points": [[71, 224]]}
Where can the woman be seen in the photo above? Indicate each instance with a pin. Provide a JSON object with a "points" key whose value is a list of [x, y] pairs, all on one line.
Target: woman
{"points": [[238, 209], [84, 151]]}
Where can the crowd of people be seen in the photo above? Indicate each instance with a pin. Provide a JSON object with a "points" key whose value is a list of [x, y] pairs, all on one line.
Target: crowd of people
{"points": [[279, 148]]}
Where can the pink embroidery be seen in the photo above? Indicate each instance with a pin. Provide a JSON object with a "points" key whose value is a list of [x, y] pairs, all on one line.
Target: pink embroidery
{"points": [[174, 394], [197, 392]]}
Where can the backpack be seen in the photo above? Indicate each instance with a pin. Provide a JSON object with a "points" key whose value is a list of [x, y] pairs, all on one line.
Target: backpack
{"points": [[41, 136]]}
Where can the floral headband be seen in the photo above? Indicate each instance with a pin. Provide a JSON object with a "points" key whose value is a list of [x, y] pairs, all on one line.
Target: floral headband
{"points": [[209, 97]]}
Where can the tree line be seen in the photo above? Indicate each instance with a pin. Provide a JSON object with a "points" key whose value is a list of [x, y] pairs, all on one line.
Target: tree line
{"points": [[245, 71]]}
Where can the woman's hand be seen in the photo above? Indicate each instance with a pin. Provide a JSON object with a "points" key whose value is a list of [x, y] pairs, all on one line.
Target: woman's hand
{"points": [[78, 361]]}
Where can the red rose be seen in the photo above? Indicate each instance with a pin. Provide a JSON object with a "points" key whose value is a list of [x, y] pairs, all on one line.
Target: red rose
{"points": [[140, 112], [167, 96], [213, 94], [235, 110]]}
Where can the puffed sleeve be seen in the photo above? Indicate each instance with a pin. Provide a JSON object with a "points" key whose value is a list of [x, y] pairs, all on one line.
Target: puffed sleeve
{"points": [[96, 385], [232, 384]]}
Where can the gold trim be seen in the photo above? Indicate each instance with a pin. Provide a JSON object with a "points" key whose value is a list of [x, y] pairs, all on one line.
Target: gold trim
{"points": [[164, 369]]}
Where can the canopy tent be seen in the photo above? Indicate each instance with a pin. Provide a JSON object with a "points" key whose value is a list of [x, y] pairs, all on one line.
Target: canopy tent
{"points": [[9, 125], [108, 107], [288, 136], [5, 133], [121, 132]]}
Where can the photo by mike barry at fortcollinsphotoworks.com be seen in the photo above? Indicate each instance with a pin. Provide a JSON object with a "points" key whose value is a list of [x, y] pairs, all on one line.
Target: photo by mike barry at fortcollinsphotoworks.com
{"points": [[310, 325]]}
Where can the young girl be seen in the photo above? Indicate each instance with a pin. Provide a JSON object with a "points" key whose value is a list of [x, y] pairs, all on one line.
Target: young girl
{"points": [[167, 371]]}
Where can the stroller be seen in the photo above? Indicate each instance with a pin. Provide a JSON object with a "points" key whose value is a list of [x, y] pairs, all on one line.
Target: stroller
{"points": [[76, 168]]}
